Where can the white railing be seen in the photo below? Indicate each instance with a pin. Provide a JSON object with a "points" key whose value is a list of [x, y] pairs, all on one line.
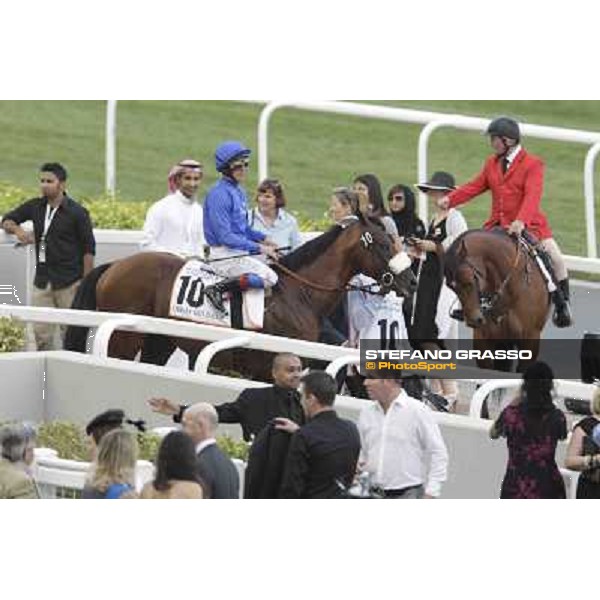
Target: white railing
{"points": [[563, 387], [434, 121], [107, 323], [111, 148], [51, 472]]}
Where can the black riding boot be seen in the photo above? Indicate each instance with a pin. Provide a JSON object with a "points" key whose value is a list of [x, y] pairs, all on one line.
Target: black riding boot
{"points": [[215, 292], [562, 311]]}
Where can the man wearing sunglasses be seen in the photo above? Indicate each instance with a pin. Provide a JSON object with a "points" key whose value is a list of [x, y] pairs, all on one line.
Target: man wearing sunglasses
{"points": [[227, 231]]}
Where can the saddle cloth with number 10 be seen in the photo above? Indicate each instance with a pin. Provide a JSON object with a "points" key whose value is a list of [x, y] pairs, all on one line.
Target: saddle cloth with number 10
{"points": [[188, 301]]}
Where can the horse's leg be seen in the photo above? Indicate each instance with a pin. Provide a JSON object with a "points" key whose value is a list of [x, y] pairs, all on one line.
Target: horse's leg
{"points": [[482, 344], [191, 347], [533, 345], [124, 345], [504, 365], [157, 349]]}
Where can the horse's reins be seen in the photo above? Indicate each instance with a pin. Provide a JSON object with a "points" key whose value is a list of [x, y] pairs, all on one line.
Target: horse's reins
{"points": [[495, 296], [510, 273], [325, 288]]}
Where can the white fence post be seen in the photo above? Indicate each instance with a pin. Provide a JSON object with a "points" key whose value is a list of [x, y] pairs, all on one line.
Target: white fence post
{"points": [[590, 209], [208, 353], [111, 148], [105, 331]]}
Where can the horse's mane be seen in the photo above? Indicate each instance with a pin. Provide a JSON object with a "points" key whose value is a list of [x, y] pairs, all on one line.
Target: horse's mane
{"points": [[309, 251], [458, 249]]}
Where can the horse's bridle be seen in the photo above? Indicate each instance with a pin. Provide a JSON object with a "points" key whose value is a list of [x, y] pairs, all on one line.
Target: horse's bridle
{"points": [[385, 283], [488, 301]]}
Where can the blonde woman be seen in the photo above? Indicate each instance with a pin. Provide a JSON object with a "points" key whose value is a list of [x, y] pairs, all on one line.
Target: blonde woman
{"points": [[112, 476], [583, 453]]}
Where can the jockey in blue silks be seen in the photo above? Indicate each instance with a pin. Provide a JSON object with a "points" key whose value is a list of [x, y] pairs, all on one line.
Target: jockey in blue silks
{"points": [[227, 231]]}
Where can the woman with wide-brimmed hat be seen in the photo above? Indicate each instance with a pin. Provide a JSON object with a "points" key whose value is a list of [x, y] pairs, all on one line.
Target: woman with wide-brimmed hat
{"points": [[427, 315], [443, 229]]}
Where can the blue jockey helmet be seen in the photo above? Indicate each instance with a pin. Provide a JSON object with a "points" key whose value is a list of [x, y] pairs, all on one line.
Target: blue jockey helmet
{"points": [[228, 152]]}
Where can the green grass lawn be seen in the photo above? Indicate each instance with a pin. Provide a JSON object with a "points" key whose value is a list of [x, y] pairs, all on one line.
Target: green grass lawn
{"points": [[310, 153]]}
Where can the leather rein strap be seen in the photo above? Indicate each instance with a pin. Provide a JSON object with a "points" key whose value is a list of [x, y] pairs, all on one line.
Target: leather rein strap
{"points": [[323, 288]]}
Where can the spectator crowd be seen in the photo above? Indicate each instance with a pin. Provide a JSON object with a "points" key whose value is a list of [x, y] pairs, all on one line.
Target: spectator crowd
{"points": [[301, 447]]}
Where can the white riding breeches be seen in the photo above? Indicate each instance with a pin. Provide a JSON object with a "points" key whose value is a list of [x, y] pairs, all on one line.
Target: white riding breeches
{"points": [[558, 262], [240, 265]]}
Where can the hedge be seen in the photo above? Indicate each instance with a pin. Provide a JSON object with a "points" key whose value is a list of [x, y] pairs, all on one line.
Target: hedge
{"points": [[120, 213]]}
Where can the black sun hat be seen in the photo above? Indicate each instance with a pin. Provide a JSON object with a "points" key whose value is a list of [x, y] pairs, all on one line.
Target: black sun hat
{"points": [[440, 181]]}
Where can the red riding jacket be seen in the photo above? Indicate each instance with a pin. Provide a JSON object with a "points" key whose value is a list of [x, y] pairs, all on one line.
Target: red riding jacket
{"points": [[516, 194]]}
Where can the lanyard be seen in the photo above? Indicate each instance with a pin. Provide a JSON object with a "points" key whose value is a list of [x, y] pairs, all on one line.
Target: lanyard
{"points": [[48, 220]]}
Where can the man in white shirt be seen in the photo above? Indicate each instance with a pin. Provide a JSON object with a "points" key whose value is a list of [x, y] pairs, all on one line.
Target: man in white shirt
{"points": [[402, 446], [174, 224]]}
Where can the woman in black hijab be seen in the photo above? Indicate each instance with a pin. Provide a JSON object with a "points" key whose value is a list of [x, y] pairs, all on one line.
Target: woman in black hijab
{"points": [[402, 208]]}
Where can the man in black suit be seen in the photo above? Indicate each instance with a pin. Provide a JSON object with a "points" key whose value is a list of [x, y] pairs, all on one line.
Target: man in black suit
{"points": [[215, 468], [325, 450], [255, 407]]}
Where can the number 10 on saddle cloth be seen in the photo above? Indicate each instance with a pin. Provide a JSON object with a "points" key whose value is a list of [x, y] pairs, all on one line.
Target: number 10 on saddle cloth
{"points": [[188, 301]]}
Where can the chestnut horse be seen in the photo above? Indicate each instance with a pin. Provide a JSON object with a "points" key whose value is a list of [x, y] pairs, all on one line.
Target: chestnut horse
{"points": [[502, 292], [312, 280]]}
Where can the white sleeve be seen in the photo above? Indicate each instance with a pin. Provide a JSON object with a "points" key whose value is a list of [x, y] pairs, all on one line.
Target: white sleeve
{"points": [[152, 229], [435, 448], [390, 225], [358, 314], [455, 225]]}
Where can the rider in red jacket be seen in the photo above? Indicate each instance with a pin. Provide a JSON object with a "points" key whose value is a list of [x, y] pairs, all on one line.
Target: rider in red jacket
{"points": [[515, 179]]}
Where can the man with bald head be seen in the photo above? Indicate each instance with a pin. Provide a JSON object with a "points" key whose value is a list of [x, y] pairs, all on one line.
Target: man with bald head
{"points": [[256, 407], [216, 469]]}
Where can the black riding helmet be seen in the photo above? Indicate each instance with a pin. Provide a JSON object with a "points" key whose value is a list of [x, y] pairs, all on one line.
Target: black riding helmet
{"points": [[504, 127]]}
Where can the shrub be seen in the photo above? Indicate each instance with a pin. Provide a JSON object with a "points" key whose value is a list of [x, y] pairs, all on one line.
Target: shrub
{"points": [[66, 438], [234, 448], [148, 444], [120, 213], [12, 335]]}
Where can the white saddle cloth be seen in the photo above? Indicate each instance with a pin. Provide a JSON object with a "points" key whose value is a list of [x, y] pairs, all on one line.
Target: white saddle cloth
{"points": [[189, 302]]}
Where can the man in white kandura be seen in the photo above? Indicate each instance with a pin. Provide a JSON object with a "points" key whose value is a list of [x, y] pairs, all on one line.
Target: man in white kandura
{"points": [[174, 224]]}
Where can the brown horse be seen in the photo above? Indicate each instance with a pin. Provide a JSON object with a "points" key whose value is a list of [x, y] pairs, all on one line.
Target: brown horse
{"points": [[312, 280], [502, 292]]}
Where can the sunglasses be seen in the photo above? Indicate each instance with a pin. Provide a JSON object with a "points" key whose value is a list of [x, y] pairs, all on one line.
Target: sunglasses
{"points": [[396, 199], [240, 164]]}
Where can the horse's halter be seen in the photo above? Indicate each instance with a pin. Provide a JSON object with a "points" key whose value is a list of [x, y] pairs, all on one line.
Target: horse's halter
{"points": [[386, 281]]}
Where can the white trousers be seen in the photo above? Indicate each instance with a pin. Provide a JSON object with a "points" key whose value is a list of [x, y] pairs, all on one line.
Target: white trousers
{"points": [[241, 265]]}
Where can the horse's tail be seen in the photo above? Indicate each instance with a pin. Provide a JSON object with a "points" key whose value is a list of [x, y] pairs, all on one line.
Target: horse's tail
{"points": [[85, 299]]}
